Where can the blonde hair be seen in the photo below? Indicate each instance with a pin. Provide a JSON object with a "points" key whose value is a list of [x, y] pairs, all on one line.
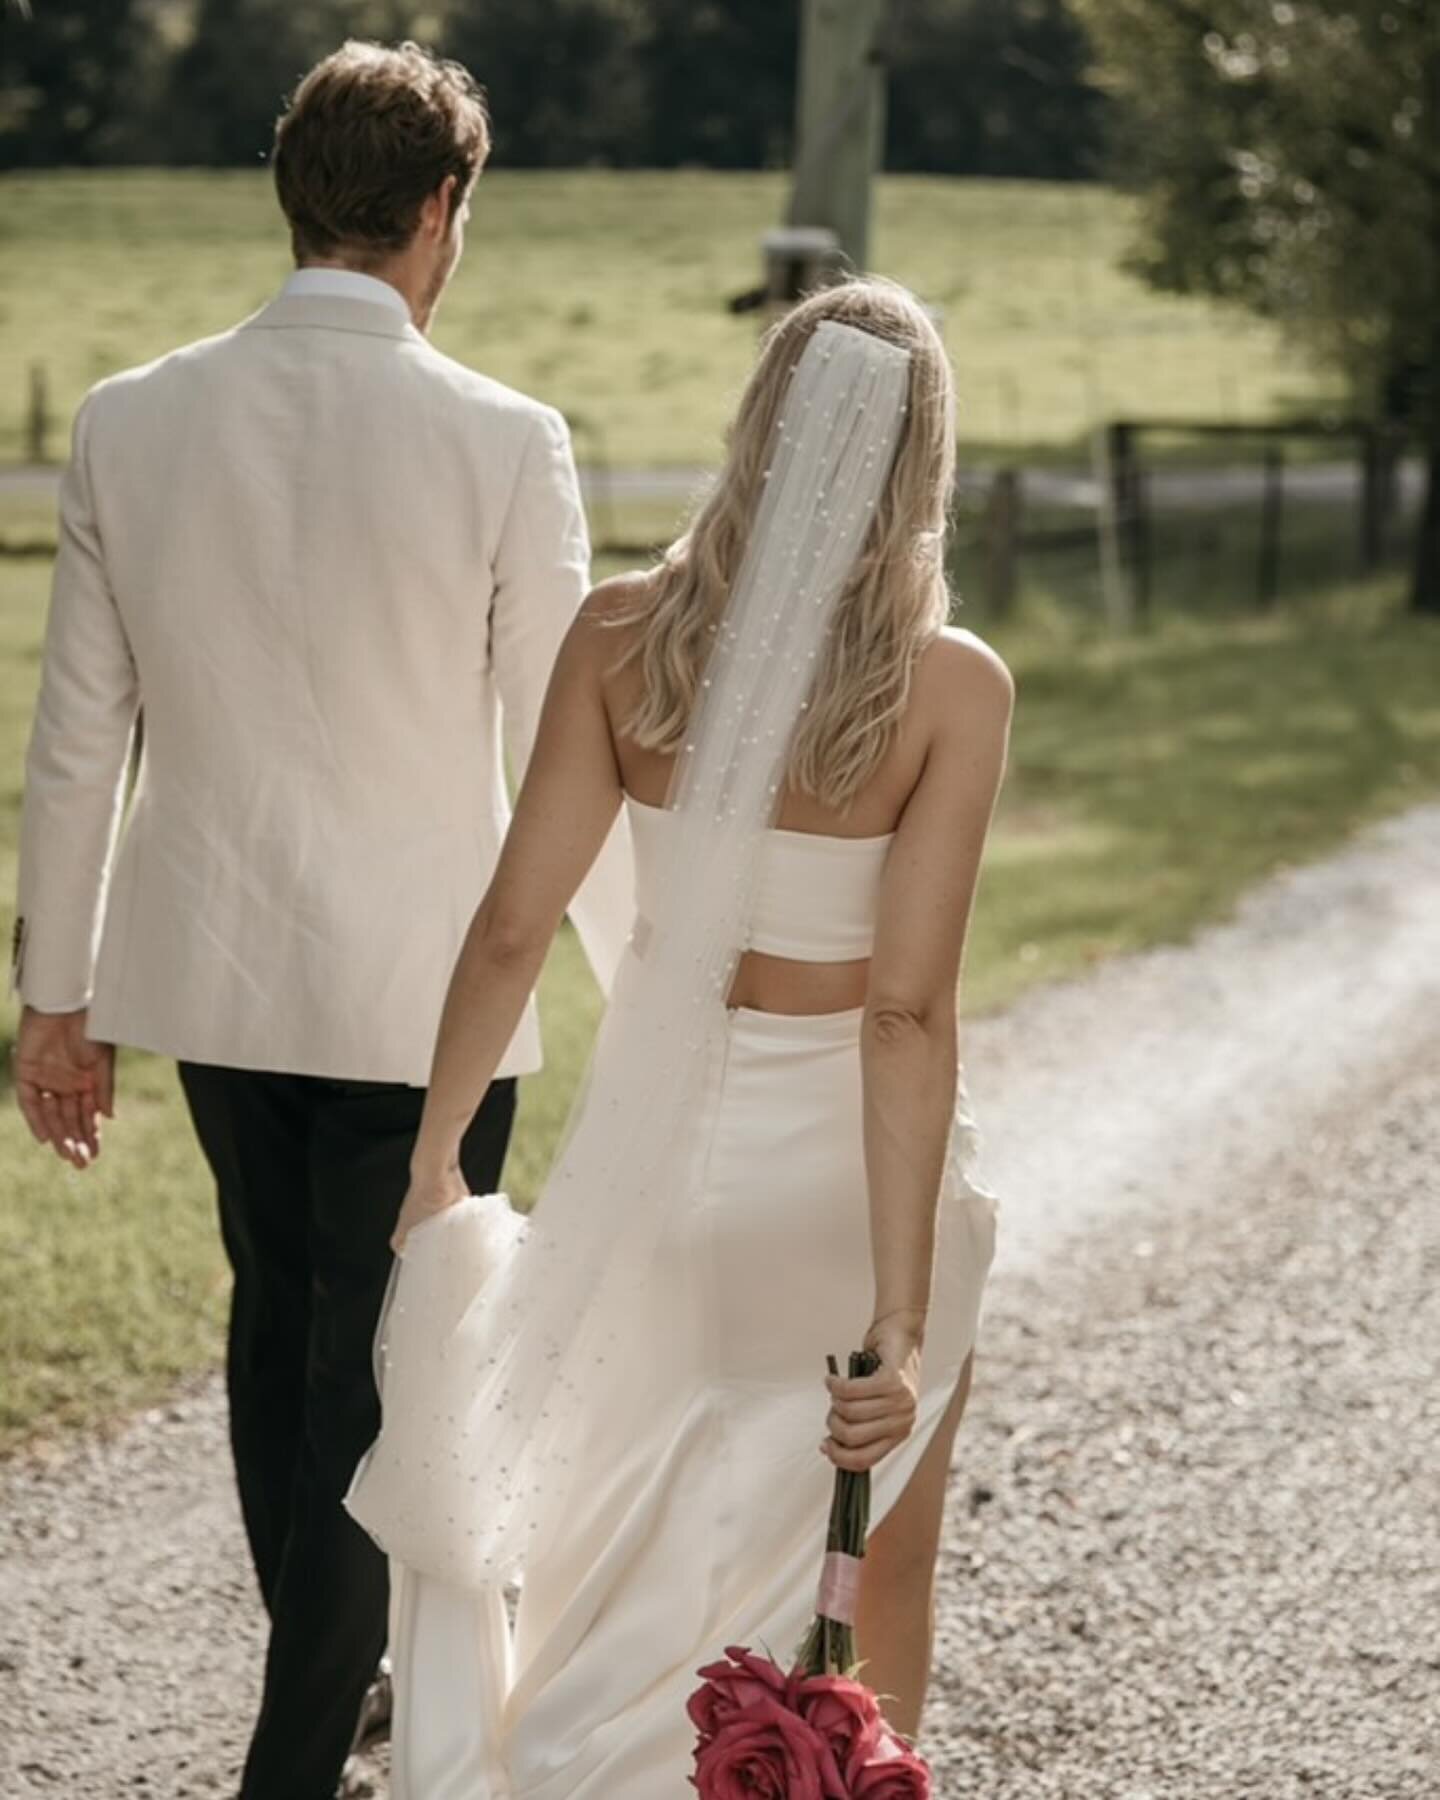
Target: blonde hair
{"points": [[896, 600]]}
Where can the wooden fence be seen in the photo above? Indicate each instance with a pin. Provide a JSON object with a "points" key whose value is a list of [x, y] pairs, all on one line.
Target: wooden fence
{"points": [[1121, 525]]}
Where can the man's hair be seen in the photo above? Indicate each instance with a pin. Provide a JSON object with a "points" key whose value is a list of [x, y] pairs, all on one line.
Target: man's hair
{"points": [[368, 136]]}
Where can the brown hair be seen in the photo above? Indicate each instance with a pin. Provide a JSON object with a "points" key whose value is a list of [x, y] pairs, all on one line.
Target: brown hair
{"points": [[369, 135]]}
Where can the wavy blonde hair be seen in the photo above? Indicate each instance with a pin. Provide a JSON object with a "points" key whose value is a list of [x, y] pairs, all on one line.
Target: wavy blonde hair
{"points": [[896, 600]]}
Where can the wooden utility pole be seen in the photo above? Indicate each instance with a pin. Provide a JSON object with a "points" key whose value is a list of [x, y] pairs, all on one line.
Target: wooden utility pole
{"points": [[840, 120]]}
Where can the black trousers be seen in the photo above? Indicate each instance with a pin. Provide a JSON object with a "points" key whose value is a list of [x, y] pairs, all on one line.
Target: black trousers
{"points": [[311, 1174]]}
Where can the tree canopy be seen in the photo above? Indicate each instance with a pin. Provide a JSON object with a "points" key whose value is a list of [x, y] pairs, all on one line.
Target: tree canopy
{"points": [[1288, 155], [990, 87]]}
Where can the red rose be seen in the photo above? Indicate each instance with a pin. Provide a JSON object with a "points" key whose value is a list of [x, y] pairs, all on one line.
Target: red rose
{"points": [[730, 1687], [893, 1772], [766, 1752], [844, 1712]]}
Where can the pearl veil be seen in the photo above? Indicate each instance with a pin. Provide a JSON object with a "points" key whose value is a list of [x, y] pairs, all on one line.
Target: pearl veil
{"points": [[507, 1342]]}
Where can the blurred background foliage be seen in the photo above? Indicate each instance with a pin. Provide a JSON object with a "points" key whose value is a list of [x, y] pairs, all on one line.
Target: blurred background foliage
{"points": [[1288, 152], [984, 87]]}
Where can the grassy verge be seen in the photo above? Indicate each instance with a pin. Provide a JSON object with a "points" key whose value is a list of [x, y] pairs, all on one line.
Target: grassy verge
{"points": [[1153, 780]]}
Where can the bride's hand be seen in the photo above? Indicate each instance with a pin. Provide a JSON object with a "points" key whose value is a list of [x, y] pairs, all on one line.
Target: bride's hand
{"points": [[872, 1414], [426, 1196]]}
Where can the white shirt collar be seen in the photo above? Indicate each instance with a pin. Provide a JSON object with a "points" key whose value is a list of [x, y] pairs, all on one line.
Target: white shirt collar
{"points": [[344, 284]]}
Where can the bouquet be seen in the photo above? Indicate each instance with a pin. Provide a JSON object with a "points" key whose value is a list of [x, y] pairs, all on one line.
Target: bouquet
{"points": [[814, 1732]]}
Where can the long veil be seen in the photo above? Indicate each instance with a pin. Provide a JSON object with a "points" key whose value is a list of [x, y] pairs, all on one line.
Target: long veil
{"points": [[506, 1340]]}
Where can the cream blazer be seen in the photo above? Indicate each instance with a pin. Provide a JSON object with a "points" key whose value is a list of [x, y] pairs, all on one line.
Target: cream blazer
{"points": [[327, 565]]}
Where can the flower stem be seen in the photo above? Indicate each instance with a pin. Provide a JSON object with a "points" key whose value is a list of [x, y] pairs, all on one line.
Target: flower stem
{"points": [[829, 1646]]}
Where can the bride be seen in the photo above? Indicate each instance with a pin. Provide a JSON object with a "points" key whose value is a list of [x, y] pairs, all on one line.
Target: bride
{"points": [[617, 1403]]}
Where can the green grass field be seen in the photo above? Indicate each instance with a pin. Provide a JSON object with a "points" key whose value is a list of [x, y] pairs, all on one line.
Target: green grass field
{"points": [[605, 294]]}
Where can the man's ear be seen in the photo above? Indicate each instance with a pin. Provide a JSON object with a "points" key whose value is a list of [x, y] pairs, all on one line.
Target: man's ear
{"points": [[437, 211]]}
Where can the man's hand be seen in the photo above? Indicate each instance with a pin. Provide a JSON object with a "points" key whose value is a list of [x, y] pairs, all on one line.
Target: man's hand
{"points": [[64, 1083]]}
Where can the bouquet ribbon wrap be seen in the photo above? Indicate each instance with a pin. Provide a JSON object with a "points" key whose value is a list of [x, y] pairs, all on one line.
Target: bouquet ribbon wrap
{"points": [[839, 1587]]}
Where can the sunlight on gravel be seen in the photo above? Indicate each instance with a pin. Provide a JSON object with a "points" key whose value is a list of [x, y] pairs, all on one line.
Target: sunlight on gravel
{"points": [[1192, 1548]]}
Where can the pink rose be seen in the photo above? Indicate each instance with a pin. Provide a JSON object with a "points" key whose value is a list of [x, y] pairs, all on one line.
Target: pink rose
{"points": [[730, 1687], [845, 1714], [766, 1752], [893, 1772]]}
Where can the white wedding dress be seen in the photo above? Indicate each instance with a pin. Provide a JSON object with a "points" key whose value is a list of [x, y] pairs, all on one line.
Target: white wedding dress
{"points": [[707, 1530]]}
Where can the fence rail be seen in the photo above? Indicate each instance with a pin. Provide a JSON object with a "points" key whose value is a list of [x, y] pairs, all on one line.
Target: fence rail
{"points": [[1113, 507], [1121, 499]]}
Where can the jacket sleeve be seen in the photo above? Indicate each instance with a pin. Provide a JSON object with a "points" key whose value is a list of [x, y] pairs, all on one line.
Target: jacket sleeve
{"points": [[76, 765], [542, 574]]}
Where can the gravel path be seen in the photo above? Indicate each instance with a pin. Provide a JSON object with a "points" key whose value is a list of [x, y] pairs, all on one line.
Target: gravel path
{"points": [[1192, 1549]]}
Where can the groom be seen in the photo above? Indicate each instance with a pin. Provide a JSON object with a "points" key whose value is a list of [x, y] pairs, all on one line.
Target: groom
{"points": [[326, 564]]}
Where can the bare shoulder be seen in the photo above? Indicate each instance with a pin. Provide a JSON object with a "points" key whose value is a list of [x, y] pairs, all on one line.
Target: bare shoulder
{"points": [[614, 599], [960, 676], [606, 623]]}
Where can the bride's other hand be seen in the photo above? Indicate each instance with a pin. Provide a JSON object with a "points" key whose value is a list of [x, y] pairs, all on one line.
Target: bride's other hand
{"points": [[871, 1415], [426, 1196]]}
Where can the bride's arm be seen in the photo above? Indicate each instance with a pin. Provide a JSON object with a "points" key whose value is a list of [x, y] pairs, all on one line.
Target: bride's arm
{"points": [[909, 1051], [566, 806]]}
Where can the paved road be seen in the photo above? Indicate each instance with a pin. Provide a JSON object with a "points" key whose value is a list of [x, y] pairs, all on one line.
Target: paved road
{"points": [[1228, 485], [1235, 484], [1191, 1552]]}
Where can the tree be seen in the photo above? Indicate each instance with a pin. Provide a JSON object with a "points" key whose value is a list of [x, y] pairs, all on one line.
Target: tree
{"points": [[72, 73], [991, 87], [719, 82], [563, 85], [1288, 154], [240, 60]]}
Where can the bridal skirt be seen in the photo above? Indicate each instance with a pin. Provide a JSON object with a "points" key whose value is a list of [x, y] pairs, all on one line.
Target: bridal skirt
{"points": [[712, 1534]]}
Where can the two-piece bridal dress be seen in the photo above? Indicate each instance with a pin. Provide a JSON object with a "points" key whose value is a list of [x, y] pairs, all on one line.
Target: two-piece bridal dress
{"points": [[660, 1492]]}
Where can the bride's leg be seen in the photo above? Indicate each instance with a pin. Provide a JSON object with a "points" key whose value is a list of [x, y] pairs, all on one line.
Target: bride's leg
{"points": [[895, 1626]]}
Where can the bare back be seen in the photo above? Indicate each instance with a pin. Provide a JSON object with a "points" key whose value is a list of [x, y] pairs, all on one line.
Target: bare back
{"points": [[945, 674]]}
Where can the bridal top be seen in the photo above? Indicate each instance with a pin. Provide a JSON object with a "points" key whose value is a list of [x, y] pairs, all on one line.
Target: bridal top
{"points": [[816, 897]]}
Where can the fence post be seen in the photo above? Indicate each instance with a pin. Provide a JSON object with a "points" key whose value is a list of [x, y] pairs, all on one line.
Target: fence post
{"points": [[1272, 506], [1140, 542], [1381, 446], [1001, 527], [1372, 521], [1129, 523], [1118, 442], [1113, 597], [37, 416]]}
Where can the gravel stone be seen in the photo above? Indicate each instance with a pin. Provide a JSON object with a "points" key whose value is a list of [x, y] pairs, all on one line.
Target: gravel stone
{"points": [[1191, 1550]]}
